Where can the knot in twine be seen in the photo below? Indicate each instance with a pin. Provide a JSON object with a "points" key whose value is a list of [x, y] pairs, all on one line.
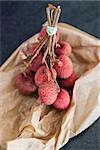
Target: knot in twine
{"points": [[51, 30]]}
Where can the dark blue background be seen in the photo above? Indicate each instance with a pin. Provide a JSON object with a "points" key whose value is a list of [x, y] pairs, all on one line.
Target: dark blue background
{"points": [[20, 20]]}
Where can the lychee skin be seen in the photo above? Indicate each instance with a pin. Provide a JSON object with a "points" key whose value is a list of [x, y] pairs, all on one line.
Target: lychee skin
{"points": [[43, 33], [64, 66], [63, 100], [69, 82], [41, 75], [48, 92], [25, 84], [36, 62], [64, 49]]}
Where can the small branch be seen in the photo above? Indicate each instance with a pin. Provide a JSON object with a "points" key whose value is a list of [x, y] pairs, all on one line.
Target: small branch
{"points": [[58, 15], [55, 17], [37, 52], [46, 52], [52, 14], [53, 45], [48, 73], [52, 71], [48, 16]]}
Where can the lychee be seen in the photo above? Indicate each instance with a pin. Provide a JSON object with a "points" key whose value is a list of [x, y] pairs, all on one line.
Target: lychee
{"points": [[63, 49], [63, 66], [41, 75], [36, 62], [48, 92], [69, 82], [63, 100], [25, 84]]}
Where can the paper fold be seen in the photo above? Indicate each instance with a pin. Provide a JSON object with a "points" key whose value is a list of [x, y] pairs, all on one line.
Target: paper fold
{"points": [[24, 125]]}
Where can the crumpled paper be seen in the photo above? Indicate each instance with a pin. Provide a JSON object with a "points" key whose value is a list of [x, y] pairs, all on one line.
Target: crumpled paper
{"points": [[27, 125]]}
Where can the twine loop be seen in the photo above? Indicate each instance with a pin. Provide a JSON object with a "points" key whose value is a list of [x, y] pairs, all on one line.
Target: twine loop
{"points": [[51, 30]]}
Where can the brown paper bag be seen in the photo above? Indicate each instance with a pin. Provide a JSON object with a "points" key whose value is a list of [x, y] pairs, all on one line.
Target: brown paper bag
{"points": [[35, 126]]}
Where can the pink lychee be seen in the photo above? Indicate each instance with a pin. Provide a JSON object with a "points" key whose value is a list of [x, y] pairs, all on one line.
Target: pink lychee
{"points": [[63, 49], [69, 82], [48, 92], [63, 66], [63, 100], [25, 84], [41, 75]]}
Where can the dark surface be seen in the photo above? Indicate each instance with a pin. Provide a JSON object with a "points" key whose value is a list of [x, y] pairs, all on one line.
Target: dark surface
{"points": [[20, 20]]}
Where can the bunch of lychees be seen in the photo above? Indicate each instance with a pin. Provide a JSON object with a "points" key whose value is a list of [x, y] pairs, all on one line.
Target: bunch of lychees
{"points": [[48, 66]]}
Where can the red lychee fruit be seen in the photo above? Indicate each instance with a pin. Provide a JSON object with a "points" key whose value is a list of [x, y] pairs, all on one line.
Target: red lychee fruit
{"points": [[63, 49], [36, 62], [41, 75], [69, 82], [63, 66], [63, 100], [48, 92], [43, 32], [25, 84]]}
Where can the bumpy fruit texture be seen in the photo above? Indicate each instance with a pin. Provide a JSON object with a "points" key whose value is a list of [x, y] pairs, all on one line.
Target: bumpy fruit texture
{"points": [[41, 75], [64, 66], [63, 100], [69, 82], [63, 49], [48, 92], [25, 84], [36, 62], [43, 32]]}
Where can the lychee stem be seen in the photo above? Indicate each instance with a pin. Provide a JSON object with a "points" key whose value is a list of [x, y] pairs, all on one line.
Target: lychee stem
{"points": [[46, 52], [53, 44], [48, 16], [48, 74], [52, 71], [38, 50]]}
